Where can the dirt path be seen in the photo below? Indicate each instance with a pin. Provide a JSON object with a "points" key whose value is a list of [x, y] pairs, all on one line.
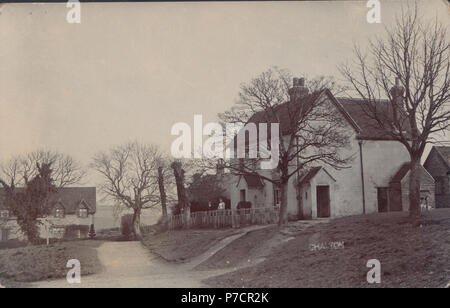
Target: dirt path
{"points": [[130, 264]]}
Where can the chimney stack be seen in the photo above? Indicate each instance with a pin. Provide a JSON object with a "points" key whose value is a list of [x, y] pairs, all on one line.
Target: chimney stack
{"points": [[397, 90], [298, 89], [220, 167], [397, 95]]}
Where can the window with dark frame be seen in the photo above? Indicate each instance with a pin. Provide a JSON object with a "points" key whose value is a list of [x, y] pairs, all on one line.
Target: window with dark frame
{"points": [[59, 213], [4, 214], [83, 213], [277, 196]]}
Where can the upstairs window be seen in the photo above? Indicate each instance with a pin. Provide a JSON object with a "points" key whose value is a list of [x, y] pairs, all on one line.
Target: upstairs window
{"points": [[59, 213], [4, 214], [83, 213]]}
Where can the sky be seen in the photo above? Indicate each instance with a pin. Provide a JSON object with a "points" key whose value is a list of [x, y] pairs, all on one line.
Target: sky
{"points": [[129, 71]]}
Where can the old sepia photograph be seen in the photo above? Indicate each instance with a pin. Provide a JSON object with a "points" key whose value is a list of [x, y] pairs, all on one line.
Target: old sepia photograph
{"points": [[225, 150]]}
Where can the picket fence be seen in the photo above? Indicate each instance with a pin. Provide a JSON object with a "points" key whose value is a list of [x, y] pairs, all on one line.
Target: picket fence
{"points": [[226, 218]]}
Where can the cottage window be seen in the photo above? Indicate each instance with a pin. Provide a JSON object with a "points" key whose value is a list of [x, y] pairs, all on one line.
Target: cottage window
{"points": [[4, 214], [277, 197], [83, 213], [4, 234], [59, 213]]}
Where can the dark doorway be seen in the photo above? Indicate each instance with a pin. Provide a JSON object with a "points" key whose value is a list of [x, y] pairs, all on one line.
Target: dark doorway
{"points": [[382, 195], [323, 201]]}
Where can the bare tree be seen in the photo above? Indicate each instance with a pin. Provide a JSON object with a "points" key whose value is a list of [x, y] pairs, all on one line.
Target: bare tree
{"points": [[183, 200], [130, 177], [310, 132], [28, 206], [416, 106], [162, 193], [20, 169]]}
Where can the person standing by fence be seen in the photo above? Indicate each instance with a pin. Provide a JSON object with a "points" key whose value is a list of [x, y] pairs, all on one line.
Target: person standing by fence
{"points": [[221, 205]]}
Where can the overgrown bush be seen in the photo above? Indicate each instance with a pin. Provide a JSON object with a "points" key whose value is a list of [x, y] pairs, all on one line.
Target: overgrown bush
{"points": [[244, 205]]}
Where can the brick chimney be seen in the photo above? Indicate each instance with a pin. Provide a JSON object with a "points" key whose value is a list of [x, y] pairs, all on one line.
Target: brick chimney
{"points": [[220, 167], [397, 93], [397, 90], [298, 89]]}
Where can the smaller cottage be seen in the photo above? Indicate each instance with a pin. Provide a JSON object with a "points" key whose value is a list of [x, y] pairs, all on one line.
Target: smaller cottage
{"points": [[73, 211], [316, 188], [399, 187], [438, 165]]}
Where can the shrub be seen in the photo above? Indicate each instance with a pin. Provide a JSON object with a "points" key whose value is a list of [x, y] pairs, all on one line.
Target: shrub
{"points": [[244, 205]]}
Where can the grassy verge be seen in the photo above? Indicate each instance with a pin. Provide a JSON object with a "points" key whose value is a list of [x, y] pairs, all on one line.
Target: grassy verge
{"points": [[413, 253], [243, 251], [35, 263], [182, 245]]}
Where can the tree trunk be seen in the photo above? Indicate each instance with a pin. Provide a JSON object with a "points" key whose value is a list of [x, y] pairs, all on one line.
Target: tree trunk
{"points": [[283, 207], [414, 188], [162, 193], [181, 192], [187, 217], [137, 224]]}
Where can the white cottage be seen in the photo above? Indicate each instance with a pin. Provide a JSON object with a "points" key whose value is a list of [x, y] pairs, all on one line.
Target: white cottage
{"points": [[72, 213], [373, 182]]}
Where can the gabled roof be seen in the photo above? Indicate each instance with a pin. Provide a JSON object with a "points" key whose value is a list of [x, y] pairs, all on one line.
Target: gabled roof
{"points": [[403, 171], [444, 152], [283, 111], [308, 176], [352, 109], [253, 181], [69, 197], [400, 174], [369, 127]]}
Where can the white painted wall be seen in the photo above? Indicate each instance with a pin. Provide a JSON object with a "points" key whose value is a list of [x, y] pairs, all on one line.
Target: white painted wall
{"points": [[381, 159], [16, 233]]}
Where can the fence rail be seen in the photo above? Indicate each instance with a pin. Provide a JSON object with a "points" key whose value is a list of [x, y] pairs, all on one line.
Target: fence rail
{"points": [[226, 218]]}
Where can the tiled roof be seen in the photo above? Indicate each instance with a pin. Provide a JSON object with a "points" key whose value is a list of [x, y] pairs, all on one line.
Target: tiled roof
{"points": [[70, 197], [403, 171], [368, 126], [400, 174], [283, 112], [444, 151], [253, 181], [309, 175], [351, 108]]}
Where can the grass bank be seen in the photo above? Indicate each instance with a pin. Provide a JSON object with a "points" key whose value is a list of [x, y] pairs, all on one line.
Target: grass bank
{"points": [[182, 245], [413, 253], [34, 263]]}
